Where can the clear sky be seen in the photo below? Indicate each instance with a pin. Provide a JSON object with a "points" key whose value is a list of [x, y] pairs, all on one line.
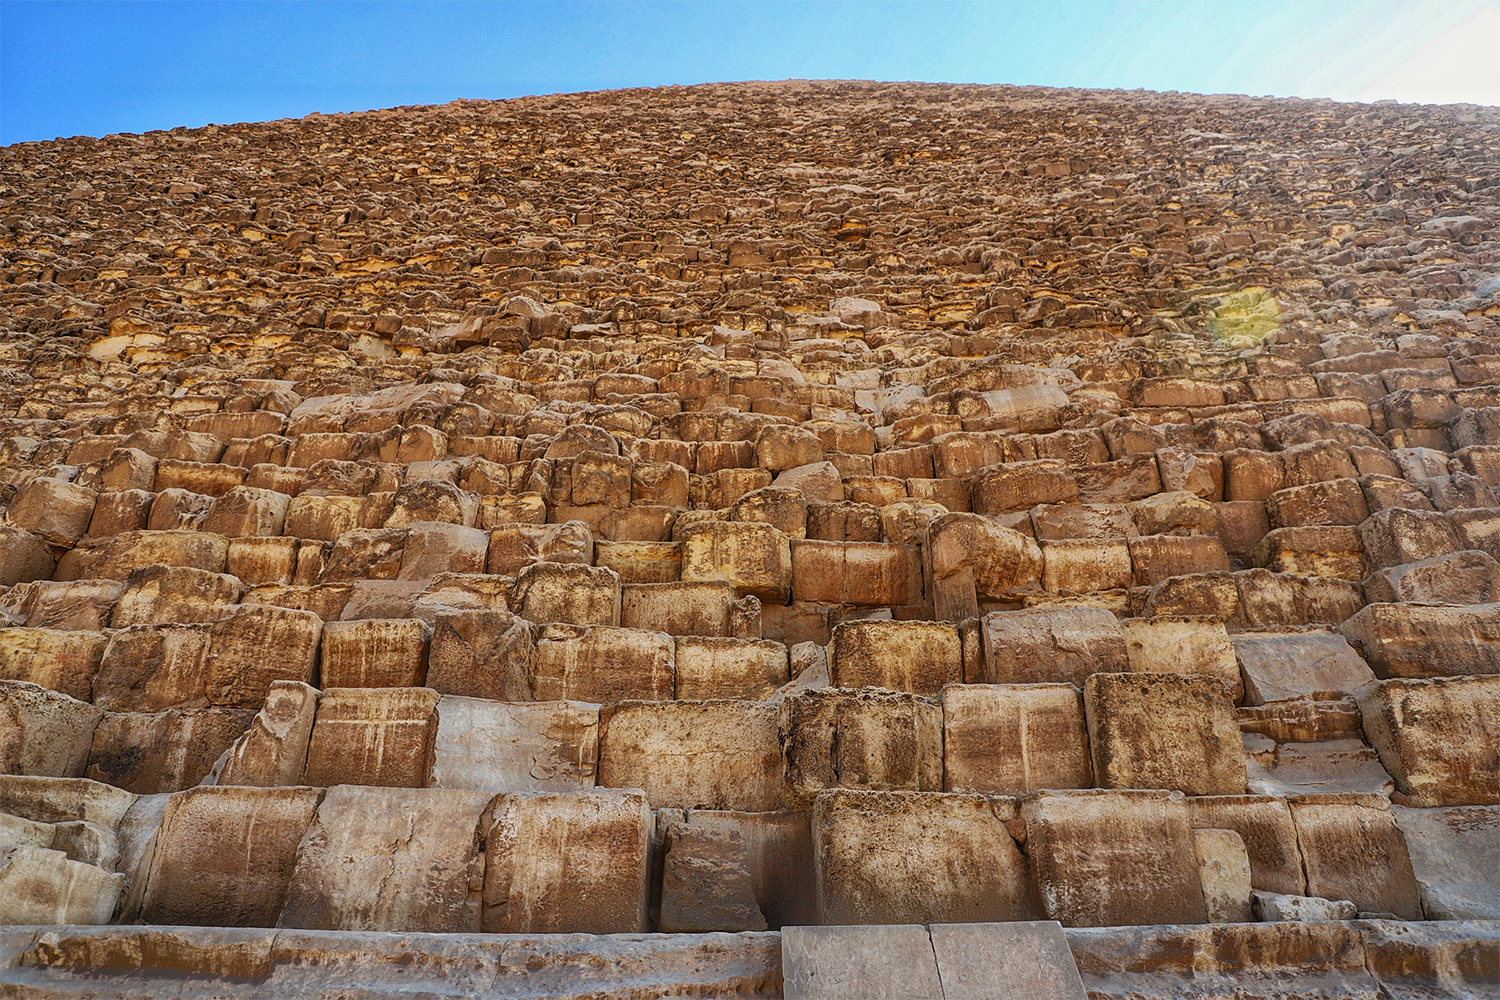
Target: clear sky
{"points": [[94, 68]]}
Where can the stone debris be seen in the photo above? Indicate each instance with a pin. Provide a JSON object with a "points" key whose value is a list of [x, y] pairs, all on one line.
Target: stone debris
{"points": [[834, 539]]}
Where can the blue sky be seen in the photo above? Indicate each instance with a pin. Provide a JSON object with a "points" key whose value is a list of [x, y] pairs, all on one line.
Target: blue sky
{"points": [[100, 67]]}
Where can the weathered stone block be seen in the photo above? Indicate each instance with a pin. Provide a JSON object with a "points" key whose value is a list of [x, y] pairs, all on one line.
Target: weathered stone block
{"points": [[569, 594], [1022, 485], [914, 656], [917, 857], [75, 606], [1455, 855], [1081, 566], [1164, 731], [1224, 872], [878, 573], [704, 608], [1264, 824], [882, 962], [981, 559], [496, 746], [252, 646], [23, 557], [62, 661], [247, 512], [372, 736], [1331, 502], [150, 752], [113, 558], [224, 856], [44, 732], [42, 886], [513, 547], [1283, 666], [1010, 739], [602, 664], [1352, 849], [568, 863], [273, 751], [482, 654], [1466, 577], [755, 559], [1185, 644], [693, 754], [1438, 737], [1108, 858], [1154, 558], [706, 881], [56, 511], [867, 739], [1400, 640], [1050, 646], [1329, 551], [375, 652], [156, 595], [1396, 536], [257, 561], [724, 667]]}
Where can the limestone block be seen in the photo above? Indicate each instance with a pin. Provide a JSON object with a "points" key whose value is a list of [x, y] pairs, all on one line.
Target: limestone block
{"points": [[917, 857], [273, 751], [641, 562], [1224, 871], [574, 863], [1330, 551], [326, 600], [1465, 577], [432, 500], [42, 886], [496, 746], [365, 554], [725, 667], [1178, 513], [1322, 767], [598, 478], [44, 732], [128, 469], [16, 831], [1022, 485], [1438, 737], [391, 859], [1400, 640], [818, 482], [1352, 849], [75, 606], [1284, 666], [321, 517], [1455, 855], [998, 562], [877, 573], [865, 739], [1053, 522], [569, 594], [375, 652], [1396, 536], [513, 547], [1080, 566], [707, 884], [114, 558], [57, 511], [59, 800], [693, 754], [149, 752], [1010, 739], [1274, 907], [258, 561], [1029, 960], [251, 646], [1154, 558], [914, 656], [434, 547], [703, 608], [447, 593], [786, 509], [755, 559], [602, 664], [482, 654], [1317, 461], [1182, 644], [777, 850], [1264, 824], [62, 661], [1104, 858], [23, 556], [1164, 731], [882, 962], [247, 512], [224, 855], [157, 595], [372, 736], [1051, 646], [1333, 501]]}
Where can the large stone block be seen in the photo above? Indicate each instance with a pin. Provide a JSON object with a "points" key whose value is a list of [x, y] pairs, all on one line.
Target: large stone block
{"points": [[1107, 858], [1286, 666], [1466, 577], [44, 732], [1455, 855], [375, 652], [57, 511], [273, 751], [1010, 739], [436, 547], [1028, 960], [482, 654], [113, 558], [1164, 731], [602, 664], [247, 512], [777, 852], [878, 573], [1439, 737], [568, 863], [157, 595], [569, 594], [916, 656], [1396, 536], [62, 661], [23, 556], [1264, 824], [150, 752], [1081, 566], [372, 736], [42, 886], [982, 560], [513, 547], [1352, 849], [725, 667], [391, 859], [882, 962], [917, 857], [253, 645], [1400, 640], [865, 739], [755, 559], [706, 883], [1051, 646], [1182, 644], [703, 608], [146, 668], [496, 746], [1224, 872], [1022, 485], [224, 855], [693, 754], [60, 800], [75, 606]]}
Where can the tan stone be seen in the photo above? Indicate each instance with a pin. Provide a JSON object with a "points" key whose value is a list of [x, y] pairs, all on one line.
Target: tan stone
{"points": [[914, 656], [498, 746], [1437, 737], [755, 559], [1022, 485], [574, 863], [866, 739], [1047, 646], [1415, 641], [1465, 577], [57, 511], [1264, 824], [513, 547], [569, 594], [252, 646], [1224, 872], [702, 608], [1188, 644], [641, 562], [62, 661], [724, 667], [74, 606], [1010, 739], [917, 857], [707, 883], [1280, 666], [375, 652], [44, 732], [693, 754], [273, 751], [42, 886], [986, 561], [1154, 558], [258, 561], [1396, 536], [23, 557], [1352, 849], [114, 558], [602, 664], [149, 752], [247, 512], [482, 654], [372, 736], [1164, 731], [156, 595]]}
